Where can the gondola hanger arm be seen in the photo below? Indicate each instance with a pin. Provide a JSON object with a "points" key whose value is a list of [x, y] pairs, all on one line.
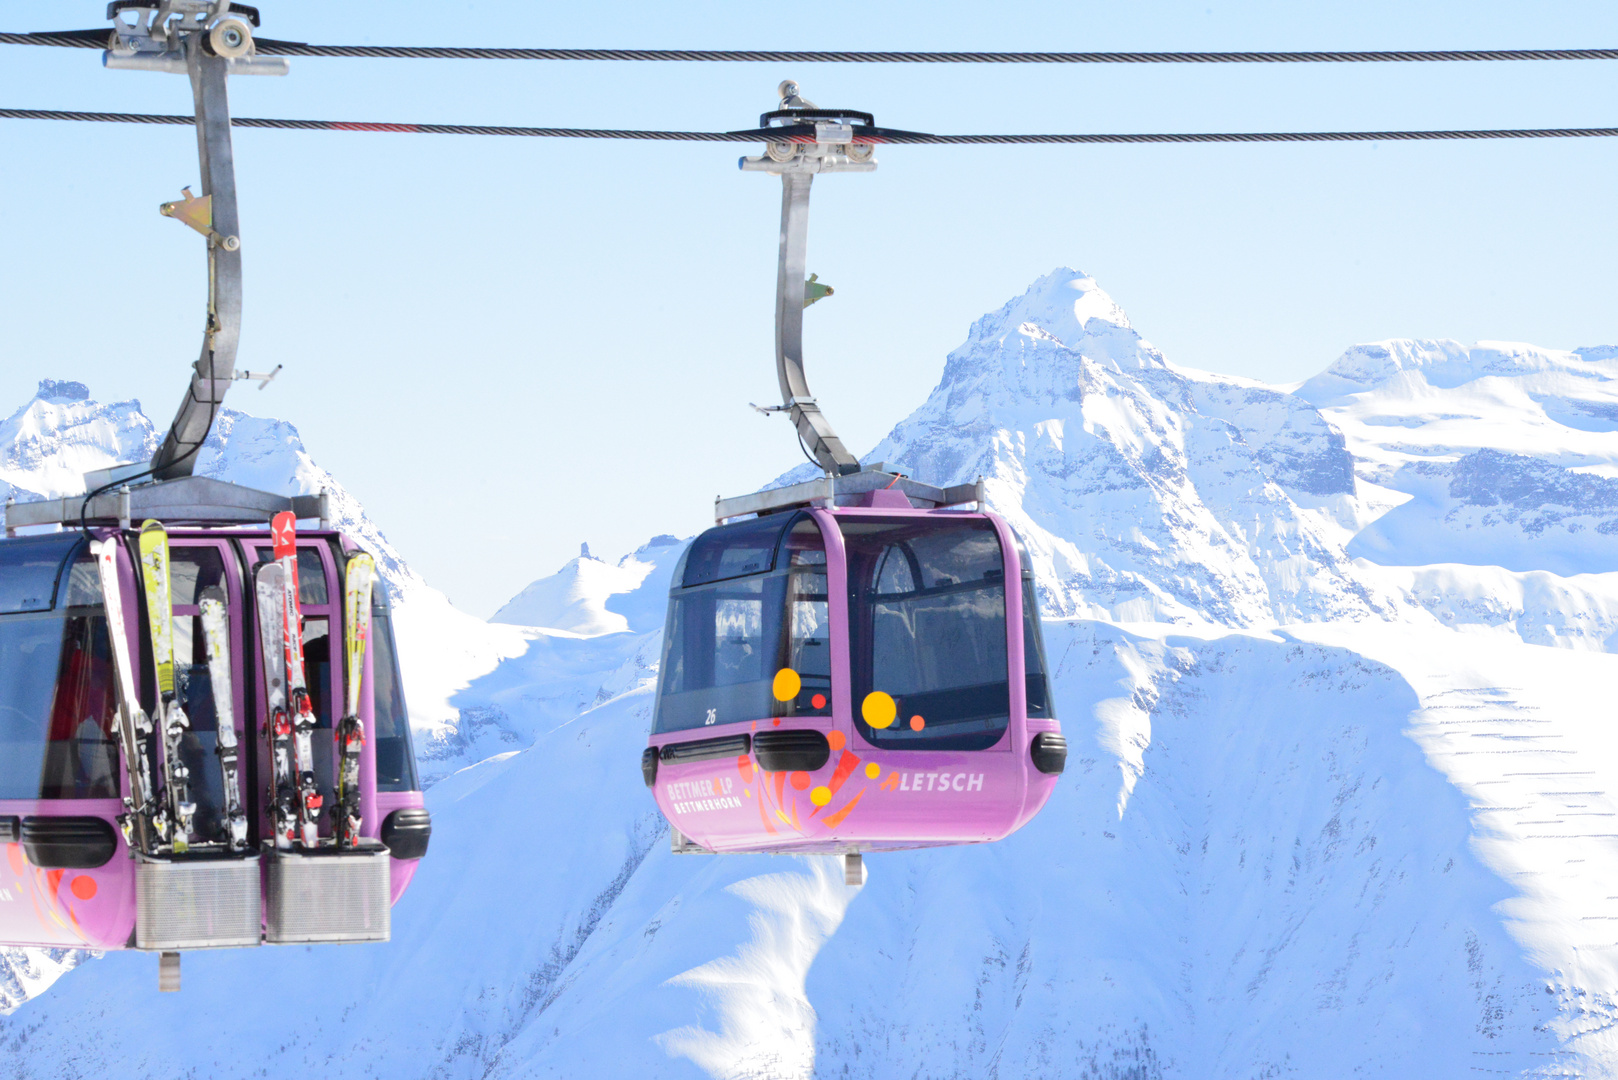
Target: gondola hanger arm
{"points": [[803, 140], [206, 40]]}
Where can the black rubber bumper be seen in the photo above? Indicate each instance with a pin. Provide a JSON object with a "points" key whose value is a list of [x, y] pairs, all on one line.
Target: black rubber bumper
{"points": [[792, 750], [706, 749], [407, 831], [1049, 751], [68, 843]]}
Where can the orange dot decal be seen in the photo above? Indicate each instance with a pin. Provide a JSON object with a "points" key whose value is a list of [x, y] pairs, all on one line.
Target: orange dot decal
{"points": [[818, 701], [800, 780], [873, 770], [776, 722], [820, 796], [786, 684], [917, 723], [879, 709], [84, 887], [835, 739]]}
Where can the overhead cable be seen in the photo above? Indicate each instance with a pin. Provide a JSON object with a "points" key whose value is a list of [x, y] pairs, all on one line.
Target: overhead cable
{"points": [[882, 137], [97, 39]]}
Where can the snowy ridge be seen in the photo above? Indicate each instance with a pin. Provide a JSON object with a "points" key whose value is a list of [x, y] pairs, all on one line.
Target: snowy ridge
{"points": [[1337, 803], [576, 598], [1145, 492], [48, 445]]}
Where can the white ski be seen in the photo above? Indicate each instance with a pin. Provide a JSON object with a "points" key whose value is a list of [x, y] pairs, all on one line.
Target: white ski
{"points": [[143, 823], [216, 634], [278, 725]]}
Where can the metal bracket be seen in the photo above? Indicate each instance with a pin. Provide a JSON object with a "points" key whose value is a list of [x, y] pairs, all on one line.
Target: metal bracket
{"points": [[814, 290], [264, 378], [198, 214]]}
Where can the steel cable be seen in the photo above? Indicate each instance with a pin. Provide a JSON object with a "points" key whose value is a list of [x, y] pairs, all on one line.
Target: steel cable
{"points": [[885, 137], [97, 39]]}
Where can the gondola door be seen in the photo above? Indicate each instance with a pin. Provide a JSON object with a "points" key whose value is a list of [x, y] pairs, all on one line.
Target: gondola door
{"points": [[197, 565], [320, 601]]}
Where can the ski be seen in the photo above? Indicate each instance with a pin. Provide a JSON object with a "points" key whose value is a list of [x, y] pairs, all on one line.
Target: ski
{"points": [[357, 581], [284, 533], [272, 626], [216, 635], [143, 823], [154, 566]]}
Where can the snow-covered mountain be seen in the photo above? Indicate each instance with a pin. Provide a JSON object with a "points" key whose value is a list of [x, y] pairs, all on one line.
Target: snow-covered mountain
{"points": [[1334, 664]]}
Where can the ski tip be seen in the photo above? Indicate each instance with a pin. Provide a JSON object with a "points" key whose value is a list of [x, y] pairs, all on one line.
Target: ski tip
{"points": [[284, 532]]}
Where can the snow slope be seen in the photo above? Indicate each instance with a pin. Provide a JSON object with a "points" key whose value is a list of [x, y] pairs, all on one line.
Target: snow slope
{"points": [[1340, 800]]}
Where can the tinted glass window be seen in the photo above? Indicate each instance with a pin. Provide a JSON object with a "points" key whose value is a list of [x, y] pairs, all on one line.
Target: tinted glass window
{"points": [[56, 699], [30, 648], [725, 642], [927, 605], [317, 660], [395, 760], [731, 551], [1033, 645], [1039, 693], [81, 755], [311, 574], [29, 567]]}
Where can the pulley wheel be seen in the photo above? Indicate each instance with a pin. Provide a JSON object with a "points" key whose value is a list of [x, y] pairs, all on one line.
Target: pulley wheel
{"points": [[231, 38]]}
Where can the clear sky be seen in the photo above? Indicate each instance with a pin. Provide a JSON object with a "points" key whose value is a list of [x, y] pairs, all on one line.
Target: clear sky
{"points": [[509, 346]]}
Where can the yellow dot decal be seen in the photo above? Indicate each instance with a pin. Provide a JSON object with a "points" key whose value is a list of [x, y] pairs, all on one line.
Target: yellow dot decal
{"points": [[873, 770], [787, 684], [879, 709], [820, 796]]}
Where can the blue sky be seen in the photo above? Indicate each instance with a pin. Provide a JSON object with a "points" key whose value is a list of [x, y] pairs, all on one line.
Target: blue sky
{"points": [[509, 346]]}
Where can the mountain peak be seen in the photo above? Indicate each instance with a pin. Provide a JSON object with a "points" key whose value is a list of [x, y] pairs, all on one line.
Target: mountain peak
{"points": [[1062, 306], [61, 390]]}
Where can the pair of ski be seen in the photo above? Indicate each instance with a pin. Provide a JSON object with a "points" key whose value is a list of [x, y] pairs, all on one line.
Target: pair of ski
{"points": [[295, 799], [163, 822]]}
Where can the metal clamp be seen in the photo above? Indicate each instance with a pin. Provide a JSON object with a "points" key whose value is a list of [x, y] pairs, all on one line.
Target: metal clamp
{"points": [[155, 38]]}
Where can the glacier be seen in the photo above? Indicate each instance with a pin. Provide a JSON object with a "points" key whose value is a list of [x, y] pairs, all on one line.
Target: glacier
{"points": [[1333, 660]]}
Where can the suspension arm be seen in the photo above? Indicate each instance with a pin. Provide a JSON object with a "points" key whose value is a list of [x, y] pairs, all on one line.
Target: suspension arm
{"points": [[812, 425], [796, 159], [214, 368]]}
